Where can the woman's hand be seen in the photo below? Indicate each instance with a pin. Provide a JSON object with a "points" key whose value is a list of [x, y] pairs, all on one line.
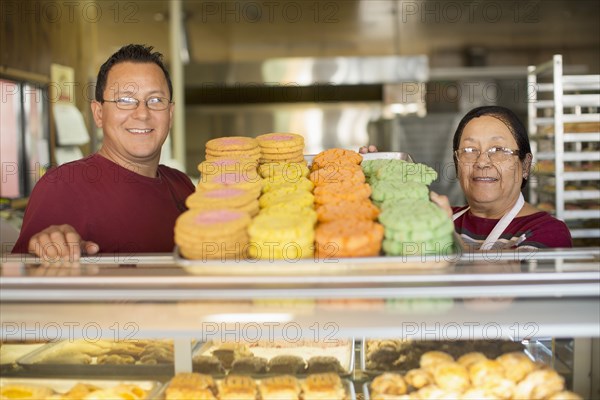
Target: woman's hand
{"points": [[368, 149], [442, 202], [60, 242]]}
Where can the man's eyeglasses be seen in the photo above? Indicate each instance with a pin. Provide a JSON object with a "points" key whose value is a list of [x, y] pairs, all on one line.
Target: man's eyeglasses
{"points": [[130, 103], [496, 154]]}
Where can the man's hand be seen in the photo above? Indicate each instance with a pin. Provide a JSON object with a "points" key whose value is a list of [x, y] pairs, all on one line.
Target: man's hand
{"points": [[60, 243], [368, 149]]}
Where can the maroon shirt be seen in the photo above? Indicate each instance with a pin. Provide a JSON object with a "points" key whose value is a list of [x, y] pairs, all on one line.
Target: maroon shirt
{"points": [[540, 230], [123, 212]]}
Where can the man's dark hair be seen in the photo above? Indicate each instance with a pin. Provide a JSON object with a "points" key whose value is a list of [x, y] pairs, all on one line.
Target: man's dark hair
{"points": [[508, 118], [136, 53]]}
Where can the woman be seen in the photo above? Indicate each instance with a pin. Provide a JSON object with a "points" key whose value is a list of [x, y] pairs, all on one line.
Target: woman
{"points": [[493, 158]]}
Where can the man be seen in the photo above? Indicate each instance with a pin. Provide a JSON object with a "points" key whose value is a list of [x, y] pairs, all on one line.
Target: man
{"points": [[119, 200]]}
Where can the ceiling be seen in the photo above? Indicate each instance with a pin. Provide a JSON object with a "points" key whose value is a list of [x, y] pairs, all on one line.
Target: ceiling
{"points": [[508, 32]]}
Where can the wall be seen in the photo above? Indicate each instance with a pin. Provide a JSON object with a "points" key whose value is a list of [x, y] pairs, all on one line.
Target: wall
{"points": [[35, 34]]}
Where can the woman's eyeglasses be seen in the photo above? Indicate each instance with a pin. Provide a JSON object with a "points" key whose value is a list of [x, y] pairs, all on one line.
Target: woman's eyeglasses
{"points": [[130, 103], [496, 154]]}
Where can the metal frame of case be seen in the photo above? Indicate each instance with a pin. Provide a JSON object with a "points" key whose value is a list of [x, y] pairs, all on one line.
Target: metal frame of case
{"points": [[565, 94]]}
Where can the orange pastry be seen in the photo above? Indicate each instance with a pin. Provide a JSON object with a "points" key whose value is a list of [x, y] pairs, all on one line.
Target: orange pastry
{"points": [[357, 209], [335, 156], [348, 238]]}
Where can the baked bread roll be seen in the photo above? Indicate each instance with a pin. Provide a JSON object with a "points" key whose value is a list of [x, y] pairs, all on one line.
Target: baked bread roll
{"points": [[418, 378], [451, 377], [539, 385], [186, 393], [502, 388], [432, 392], [284, 387], [484, 371], [323, 387], [194, 380], [478, 394], [287, 364], [516, 365], [237, 387], [431, 359], [392, 384], [471, 358]]}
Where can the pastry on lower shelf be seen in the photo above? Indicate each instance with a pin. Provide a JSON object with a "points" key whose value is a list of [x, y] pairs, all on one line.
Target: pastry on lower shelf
{"points": [[501, 388], [115, 359], [540, 384], [432, 392], [79, 391], [478, 394], [32, 392], [229, 351], [207, 365], [516, 365], [237, 387], [468, 359], [391, 384], [249, 365], [418, 378], [287, 364], [487, 370], [192, 379], [565, 395], [323, 386], [321, 364], [451, 377], [123, 391], [283, 387], [431, 359], [187, 393]]}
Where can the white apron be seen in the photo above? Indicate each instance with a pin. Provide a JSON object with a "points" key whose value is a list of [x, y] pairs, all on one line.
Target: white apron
{"points": [[500, 226]]}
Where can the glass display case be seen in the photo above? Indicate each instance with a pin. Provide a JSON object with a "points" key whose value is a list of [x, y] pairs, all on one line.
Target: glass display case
{"points": [[547, 300]]}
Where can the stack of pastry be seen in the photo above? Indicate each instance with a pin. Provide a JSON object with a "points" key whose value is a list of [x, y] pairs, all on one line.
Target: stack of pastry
{"points": [[213, 234], [191, 386], [226, 197], [323, 386], [283, 387], [346, 215], [413, 224], [473, 376], [233, 147], [281, 147], [284, 227]]}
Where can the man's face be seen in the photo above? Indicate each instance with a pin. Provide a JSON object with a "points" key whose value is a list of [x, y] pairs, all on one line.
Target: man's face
{"points": [[136, 135]]}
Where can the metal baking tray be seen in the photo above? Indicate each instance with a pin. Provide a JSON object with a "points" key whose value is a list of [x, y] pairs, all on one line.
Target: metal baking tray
{"points": [[346, 383], [438, 345], [302, 351], [62, 386], [33, 362], [10, 353], [391, 155]]}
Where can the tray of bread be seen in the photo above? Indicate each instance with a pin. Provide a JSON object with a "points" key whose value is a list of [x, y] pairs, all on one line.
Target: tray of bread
{"points": [[400, 355], [439, 375], [73, 389], [262, 206], [241, 387], [101, 358], [11, 352], [277, 357]]}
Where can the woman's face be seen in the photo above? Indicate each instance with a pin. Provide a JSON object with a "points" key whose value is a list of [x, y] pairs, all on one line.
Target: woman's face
{"points": [[490, 186]]}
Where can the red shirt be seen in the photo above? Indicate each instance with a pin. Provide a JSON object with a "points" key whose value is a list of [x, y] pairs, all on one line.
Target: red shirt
{"points": [[121, 211], [536, 230]]}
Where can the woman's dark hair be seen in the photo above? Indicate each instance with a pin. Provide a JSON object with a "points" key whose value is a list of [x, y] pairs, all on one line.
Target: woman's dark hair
{"points": [[136, 53], [508, 118]]}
